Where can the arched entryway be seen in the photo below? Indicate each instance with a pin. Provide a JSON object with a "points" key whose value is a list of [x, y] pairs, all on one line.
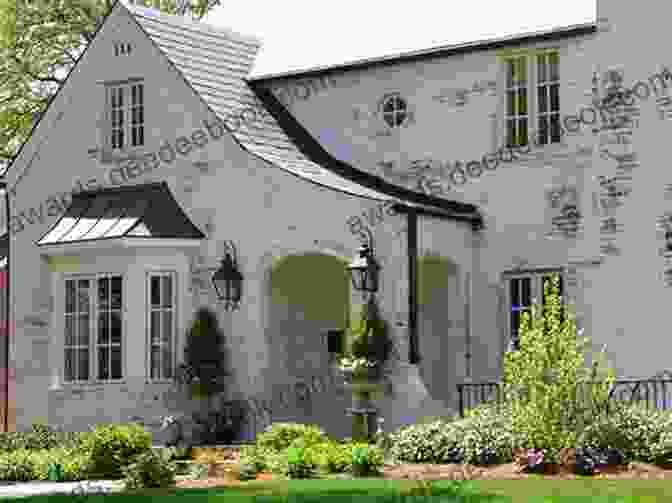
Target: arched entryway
{"points": [[309, 295], [441, 326]]}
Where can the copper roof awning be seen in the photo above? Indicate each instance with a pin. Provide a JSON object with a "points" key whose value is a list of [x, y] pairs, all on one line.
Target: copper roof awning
{"points": [[138, 211]]}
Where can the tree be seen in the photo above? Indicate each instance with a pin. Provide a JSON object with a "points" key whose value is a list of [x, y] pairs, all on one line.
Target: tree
{"points": [[205, 357], [40, 42], [544, 378]]}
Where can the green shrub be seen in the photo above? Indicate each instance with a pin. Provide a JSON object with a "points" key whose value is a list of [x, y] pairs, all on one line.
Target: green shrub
{"points": [[148, 469], [550, 368], [253, 455], [112, 446], [662, 450], [631, 428], [331, 457], [17, 465], [75, 463], [436, 442], [298, 464], [248, 471], [279, 436], [366, 460], [487, 435], [40, 437]]}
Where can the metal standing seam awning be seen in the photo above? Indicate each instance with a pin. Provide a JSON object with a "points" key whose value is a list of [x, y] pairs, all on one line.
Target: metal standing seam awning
{"points": [[137, 211]]}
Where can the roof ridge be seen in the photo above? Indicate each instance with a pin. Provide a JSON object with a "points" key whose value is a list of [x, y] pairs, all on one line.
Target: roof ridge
{"points": [[196, 26]]}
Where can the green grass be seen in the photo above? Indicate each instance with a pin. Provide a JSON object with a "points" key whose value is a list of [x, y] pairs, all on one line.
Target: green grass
{"points": [[398, 491]]}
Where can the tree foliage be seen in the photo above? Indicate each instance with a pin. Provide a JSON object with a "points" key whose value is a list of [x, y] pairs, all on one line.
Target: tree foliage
{"points": [[205, 354], [40, 42], [553, 394]]}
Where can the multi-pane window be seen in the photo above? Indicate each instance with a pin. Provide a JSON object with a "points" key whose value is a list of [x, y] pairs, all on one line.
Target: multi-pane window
{"points": [[395, 111], [523, 290], [77, 329], [93, 306], [127, 115], [161, 324], [517, 118], [540, 76], [108, 343], [548, 98]]}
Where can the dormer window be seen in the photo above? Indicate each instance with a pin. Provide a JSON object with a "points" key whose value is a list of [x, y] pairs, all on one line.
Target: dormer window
{"points": [[126, 115]]}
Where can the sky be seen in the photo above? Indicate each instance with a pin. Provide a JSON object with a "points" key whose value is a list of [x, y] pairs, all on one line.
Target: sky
{"points": [[300, 34]]}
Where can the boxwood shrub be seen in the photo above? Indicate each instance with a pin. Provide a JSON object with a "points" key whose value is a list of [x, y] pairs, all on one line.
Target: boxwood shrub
{"points": [[112, 446], [279, 436]]}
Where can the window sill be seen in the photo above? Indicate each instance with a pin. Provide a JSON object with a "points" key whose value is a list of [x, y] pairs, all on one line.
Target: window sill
{"points": [[90, 386]]}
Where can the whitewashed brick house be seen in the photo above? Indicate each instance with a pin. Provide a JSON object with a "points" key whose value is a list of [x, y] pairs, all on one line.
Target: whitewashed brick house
{"points": [[159, 148]]}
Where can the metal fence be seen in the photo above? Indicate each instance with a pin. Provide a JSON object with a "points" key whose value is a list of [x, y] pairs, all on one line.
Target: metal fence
{"points": [[654, 393]]}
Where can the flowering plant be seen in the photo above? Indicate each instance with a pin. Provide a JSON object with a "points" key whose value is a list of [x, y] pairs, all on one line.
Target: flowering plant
{"points": [[535, 460], [347, 363]]}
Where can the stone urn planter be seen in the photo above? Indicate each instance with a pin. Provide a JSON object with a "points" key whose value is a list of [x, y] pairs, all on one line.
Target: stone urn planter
{"points": [[362, 383]]}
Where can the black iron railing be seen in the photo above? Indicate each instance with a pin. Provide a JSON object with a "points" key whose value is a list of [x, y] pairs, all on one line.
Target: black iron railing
{"points": [[655, 393]]}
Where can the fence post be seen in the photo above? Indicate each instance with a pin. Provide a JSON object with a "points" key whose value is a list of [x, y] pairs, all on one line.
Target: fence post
{"points": [[460, 388]]}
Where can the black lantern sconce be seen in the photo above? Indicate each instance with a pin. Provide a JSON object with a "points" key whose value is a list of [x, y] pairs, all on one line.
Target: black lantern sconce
{"points": [[228, 280], [364, 269]]}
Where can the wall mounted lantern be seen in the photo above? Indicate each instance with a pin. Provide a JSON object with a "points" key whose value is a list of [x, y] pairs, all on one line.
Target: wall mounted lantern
{"points": [[364, 269], [228, 280]]}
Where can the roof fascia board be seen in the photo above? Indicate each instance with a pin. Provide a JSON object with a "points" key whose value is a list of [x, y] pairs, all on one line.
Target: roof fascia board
{"points": [[439, 52], [312, 149], [116, 243]]}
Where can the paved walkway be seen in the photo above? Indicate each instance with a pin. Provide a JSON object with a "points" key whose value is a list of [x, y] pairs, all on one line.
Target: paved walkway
{"points": [[23, 489]]}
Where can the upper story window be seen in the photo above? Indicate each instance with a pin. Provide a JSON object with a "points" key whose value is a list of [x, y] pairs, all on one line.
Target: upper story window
{"points": [[126, 106], [395, 110], [537, 76]]}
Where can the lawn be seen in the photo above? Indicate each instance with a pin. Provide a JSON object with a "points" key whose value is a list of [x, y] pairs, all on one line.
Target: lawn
{"points": [[379, 490]]}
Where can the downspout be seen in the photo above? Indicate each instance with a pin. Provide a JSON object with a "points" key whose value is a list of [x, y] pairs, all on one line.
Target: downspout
{"points": [[5, 355], [413, 353]]}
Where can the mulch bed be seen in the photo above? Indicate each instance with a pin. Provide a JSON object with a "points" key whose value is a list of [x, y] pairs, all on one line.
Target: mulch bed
{"points": [[510, 471], [413, 471]]}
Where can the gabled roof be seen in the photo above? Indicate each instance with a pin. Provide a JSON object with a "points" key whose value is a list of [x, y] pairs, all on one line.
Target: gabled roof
{"points": [[138, 211], [215, 63]]}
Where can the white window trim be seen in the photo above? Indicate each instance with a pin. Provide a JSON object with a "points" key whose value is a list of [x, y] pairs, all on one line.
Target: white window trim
{"points": [[532, 105], [93, 331], [536, 293], [148, 309], [127, 85]]}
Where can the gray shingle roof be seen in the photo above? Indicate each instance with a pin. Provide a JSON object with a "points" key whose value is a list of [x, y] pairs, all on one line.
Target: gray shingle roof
{"points": [[216, 62]]}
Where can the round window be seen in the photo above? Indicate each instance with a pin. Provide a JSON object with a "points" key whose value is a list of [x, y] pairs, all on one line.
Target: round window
{"points": [[395, 111]]}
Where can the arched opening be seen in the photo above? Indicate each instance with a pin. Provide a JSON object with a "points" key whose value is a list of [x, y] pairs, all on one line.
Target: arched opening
{"points": [[309, 296], [441, 327]]}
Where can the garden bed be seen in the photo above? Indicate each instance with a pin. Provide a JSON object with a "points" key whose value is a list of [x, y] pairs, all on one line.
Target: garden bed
{"points": [[510, 471]]}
